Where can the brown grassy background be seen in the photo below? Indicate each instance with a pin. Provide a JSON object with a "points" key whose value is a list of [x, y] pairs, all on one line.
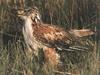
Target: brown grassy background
{"points": [[67, 13]]}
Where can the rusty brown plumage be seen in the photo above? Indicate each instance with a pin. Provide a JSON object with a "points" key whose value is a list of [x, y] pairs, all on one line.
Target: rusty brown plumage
{"points": [[40, 35]]}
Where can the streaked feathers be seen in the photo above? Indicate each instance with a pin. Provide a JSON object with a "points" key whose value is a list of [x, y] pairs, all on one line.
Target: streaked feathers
{"points": [[51, 38]]}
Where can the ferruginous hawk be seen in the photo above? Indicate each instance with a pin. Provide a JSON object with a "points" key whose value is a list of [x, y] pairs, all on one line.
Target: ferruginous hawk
{"points": [[49, 37]]}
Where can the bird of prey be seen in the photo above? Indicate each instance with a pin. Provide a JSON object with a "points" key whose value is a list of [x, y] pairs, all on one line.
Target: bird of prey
{"points": [[48, 37]]}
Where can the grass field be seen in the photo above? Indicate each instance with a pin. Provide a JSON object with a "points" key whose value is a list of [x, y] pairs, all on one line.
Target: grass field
{"points": [[66, 13]]}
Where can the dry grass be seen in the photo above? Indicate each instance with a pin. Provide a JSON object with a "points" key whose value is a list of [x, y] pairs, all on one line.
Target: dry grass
{"points": [[69, 14]]}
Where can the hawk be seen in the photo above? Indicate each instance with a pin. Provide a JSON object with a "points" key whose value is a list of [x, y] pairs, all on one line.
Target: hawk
{"points": [[49, 37]]}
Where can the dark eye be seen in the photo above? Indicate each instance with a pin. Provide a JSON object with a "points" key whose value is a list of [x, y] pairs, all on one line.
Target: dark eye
{"points": [[36, 14]]}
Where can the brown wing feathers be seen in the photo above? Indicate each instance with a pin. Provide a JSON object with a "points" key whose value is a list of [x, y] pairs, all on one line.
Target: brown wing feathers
{"points": [[56, 37], [52, 36]]}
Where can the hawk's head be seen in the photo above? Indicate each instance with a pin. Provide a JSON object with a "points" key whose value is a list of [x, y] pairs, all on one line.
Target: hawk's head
{"points": [[30, 13]]}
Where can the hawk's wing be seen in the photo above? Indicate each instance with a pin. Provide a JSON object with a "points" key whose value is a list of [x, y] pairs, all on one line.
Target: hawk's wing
{"points": [[53, 36]]}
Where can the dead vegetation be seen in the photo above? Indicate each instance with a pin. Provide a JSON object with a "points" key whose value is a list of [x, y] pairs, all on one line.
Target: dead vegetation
{"points": [[67, 13]]}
